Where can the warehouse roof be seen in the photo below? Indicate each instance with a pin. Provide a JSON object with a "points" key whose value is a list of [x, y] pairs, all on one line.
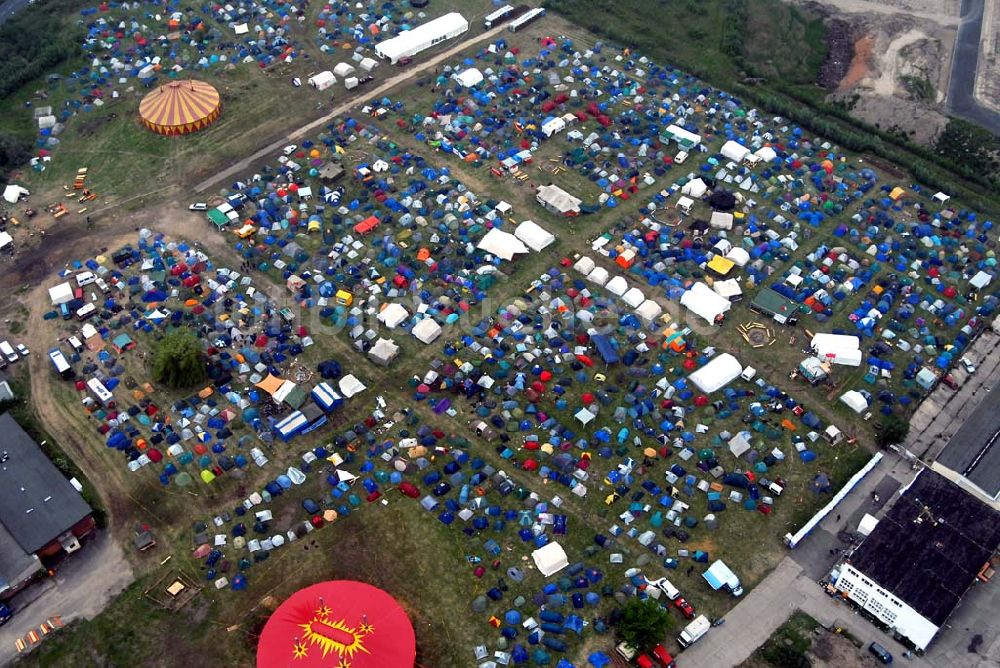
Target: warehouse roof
{"points": [[929, 547], [37, 502]]}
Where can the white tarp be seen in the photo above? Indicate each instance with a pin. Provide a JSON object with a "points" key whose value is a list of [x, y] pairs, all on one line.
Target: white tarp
{"points": [[722, 370], [349, 386], [426, 330], [735, 151], [60, 294], [729, 288], [694, 188], [534, 236], [704, 302], [393, 315], [838, 348], [411, 42], [13, 193], [469, 77], [502, 244], [550, 559], [855, 401]]}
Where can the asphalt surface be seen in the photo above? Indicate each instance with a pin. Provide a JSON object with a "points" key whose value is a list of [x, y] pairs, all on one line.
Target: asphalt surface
{"points": [[793, 585], [962, 100], [84, 583]]}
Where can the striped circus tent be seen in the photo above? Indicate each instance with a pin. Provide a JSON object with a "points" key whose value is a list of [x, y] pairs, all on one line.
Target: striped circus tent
{"points": [[180, 107]]}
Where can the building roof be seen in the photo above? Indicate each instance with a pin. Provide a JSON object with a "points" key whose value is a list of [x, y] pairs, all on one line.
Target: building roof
{"points": [[37, 502], [973, 452], [16, 565], [929, 547]]}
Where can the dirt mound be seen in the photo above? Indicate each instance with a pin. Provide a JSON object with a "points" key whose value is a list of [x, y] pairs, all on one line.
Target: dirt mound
{"points": [[860, 64], [840, 40]]}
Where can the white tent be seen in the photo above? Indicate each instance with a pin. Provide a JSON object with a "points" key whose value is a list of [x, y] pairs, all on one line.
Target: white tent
{"points": [[584, 416], [617, 286], [980, 280], [502, 244], [649, 310], [553, 126], [734, 151], [599, 276], [469, 77], [705, 302], [426, 330], [349, 386], [694, 188], [534, 236], [393, 315], [5, 240], [634, 297], [384, 351], [730, 289], [584, 265], [739, 443], [838, 348], [550, 559], [60, 294], [424, 36], [13, 193], [722, 370], [685, 203], [721, 220], [323, 80], [855, 401], [867, 524], [738, 256], [766, 153]]}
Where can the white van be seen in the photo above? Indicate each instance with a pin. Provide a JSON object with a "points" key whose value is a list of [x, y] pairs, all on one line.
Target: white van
{"points": [[8, 351], [680, 157], [664, 585], [85, 278], [694, 631], [75, 343]]}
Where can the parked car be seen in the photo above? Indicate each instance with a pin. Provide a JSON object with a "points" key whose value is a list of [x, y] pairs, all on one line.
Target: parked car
{"points": [[686, 608], [198, 206], [288, 150], [5, 614], [23, 349], [880, 653], [968, 365], [949, 382]]}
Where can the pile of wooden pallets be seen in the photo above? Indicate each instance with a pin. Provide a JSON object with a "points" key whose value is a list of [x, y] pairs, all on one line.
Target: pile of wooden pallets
{"points": [[81, 178]]}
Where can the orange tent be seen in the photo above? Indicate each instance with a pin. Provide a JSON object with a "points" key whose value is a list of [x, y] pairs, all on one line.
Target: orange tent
{"points": [[180, 107], [271, 384]]}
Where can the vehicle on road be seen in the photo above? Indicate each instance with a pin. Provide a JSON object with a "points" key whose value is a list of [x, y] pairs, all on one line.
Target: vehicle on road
{"points": [[968, 365], [6, 614], [880, 653]]}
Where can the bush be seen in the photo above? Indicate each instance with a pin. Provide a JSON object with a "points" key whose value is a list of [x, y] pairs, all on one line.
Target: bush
{"points": [[643, 623], [178, 361]]}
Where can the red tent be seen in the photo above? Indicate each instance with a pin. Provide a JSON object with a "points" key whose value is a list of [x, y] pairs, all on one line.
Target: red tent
{"points": [[336, 624]]}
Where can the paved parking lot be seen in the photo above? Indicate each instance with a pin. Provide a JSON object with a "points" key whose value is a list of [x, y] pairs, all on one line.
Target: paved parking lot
{"points": [[943, 412], [975, 616]]}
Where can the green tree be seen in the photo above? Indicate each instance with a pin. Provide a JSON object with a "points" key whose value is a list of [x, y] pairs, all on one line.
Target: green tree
{"points": [[178, 361], [893, 429], [643, 623]]}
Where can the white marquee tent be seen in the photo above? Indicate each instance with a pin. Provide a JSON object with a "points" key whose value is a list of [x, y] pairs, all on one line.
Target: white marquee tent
{"points": [[634, 297], [838, 348], [502, 244], [393, 315], [469, 77], [704, 302], [734, 151], [534, 235], [722, 370], [424, 36], [694, 188], [426, 330], [855, 401], [550, 559]]}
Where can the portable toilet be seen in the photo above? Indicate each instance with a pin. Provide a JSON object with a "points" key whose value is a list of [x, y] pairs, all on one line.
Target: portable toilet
{"points": [[344, 298]]}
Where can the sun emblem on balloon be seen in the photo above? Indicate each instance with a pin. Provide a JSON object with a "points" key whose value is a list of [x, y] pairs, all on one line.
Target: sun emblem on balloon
{"points": [[335, 635]]}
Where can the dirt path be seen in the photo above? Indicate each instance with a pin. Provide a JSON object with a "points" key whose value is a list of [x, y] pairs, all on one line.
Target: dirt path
{"points": [[384, 87], [944, 13], [885, 84]]}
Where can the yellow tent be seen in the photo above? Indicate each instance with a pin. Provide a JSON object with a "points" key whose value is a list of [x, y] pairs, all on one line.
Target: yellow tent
{"points": [[720, 265], [896, 193]]}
